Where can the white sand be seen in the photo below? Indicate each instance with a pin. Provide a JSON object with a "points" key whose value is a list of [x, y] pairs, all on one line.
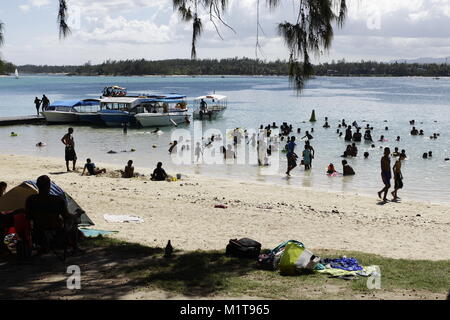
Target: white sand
{"points": [[184, 212]]}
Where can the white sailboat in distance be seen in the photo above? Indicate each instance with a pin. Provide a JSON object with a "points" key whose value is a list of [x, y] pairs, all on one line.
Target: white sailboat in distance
{"points": [[17, 74]]}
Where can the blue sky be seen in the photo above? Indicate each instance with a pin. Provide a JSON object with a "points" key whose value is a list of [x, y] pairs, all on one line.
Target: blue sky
{"points": [[121, 29]]}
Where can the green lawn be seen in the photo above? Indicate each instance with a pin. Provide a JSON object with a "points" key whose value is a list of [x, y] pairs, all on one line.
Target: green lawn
{"points": [[209, 273]]}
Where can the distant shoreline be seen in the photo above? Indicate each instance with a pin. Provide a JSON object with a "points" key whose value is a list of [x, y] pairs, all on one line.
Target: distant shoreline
{"points": [[220, 75]]}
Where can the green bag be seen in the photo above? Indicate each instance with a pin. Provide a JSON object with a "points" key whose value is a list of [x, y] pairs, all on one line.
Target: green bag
{"points": [[297, 258]]}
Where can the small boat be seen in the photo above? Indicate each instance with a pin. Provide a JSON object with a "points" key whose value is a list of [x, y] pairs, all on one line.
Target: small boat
{"points": [[166, 111], [114, 91], [87, 111], [16, 73], [61, 112], [214, 108], [116, 111]]}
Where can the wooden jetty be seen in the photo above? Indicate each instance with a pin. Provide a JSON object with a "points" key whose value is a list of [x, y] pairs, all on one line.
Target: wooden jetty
{"points": [[11, 121]]}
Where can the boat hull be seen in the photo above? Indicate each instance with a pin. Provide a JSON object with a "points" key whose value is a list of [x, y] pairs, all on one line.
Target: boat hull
{"points": [[117, 119], [92, 118], [60, 116], [160, 120]]}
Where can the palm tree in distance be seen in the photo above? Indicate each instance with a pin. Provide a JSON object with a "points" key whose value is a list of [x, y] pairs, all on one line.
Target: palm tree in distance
{"points": [[311, 33], [2, 37]]}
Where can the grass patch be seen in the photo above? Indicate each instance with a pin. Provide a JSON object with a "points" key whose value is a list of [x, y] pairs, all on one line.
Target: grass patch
{"points": [[209, 273]]}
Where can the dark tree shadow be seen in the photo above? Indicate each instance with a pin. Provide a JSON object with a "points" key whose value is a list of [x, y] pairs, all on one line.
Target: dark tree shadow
{"points": [[111, 269]]}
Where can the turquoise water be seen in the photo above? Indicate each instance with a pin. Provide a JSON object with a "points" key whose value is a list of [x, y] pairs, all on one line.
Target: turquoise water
{"points": [[254, 101]]}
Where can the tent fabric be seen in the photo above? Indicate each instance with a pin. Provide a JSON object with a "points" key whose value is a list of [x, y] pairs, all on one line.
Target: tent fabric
{"points": [[16, 198]]}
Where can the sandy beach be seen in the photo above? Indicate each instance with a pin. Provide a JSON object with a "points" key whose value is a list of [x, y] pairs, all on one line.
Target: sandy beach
{"points": [[183, 211]]}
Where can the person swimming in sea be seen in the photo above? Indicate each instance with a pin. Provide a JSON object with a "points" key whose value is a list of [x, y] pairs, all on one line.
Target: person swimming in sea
{"points": [[348, 134], [368, 136], [396, 153], [347, 169], [308, 136], [331, 169]]}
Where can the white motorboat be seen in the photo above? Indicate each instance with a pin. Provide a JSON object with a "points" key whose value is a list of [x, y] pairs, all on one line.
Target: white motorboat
{"points": [[160, 112], [210, 107], [61, 112]]}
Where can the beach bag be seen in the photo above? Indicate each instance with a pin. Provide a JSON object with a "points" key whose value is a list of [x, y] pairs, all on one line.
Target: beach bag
{"points": [[243, 248], [271, 260], [297, 259]]}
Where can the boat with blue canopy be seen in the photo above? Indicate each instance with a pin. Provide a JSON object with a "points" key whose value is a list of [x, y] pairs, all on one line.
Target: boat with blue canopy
{"points": [[65, 111]]}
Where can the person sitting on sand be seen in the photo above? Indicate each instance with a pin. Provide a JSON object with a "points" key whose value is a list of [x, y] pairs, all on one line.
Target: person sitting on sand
{"points": [[425, 155], [159, 174], [129, 170], [430, 154], [3, 186], [331, 169], [414, 131], [398, 177], [90, 167], [347, 170]]}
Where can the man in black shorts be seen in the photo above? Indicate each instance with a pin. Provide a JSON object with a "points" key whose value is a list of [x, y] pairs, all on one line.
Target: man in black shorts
{"points": [[70, 153], [386, 174]]}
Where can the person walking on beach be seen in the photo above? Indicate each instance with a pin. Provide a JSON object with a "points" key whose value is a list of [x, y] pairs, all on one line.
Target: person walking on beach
{"points": [[45, 102], [70, 153], [398, 177], [37, 103], [385, 173], [291, 156]]}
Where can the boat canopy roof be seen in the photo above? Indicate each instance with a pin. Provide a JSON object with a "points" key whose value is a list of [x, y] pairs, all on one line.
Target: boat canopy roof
{"points": [[212, 96], [119, 100], [162, 96], [75, 103]]}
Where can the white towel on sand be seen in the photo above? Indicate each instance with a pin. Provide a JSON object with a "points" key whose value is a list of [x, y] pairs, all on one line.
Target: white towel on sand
{"points": [[122, 218]]}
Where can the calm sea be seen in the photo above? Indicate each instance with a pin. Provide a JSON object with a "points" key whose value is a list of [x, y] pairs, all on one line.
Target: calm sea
{"points": [[253, 101]]}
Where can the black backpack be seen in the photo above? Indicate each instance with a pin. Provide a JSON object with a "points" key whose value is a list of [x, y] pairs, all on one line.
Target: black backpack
{"points": [[243, 248]]}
